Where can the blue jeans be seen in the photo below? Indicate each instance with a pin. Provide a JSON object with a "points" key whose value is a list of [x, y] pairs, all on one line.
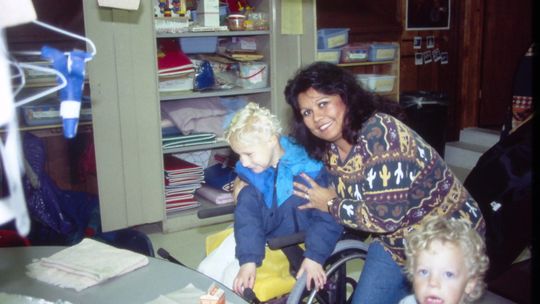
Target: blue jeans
{"points": [[382, 279]]}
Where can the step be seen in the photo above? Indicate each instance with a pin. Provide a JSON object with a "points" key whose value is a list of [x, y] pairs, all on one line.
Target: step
{"points": [[479, 136], [462, 154], [461, 173]]}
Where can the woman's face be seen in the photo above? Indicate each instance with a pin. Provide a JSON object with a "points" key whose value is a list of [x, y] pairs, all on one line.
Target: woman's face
{"points": [[323, 114]]}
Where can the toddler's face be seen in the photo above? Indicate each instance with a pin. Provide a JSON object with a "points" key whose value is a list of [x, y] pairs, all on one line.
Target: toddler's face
{"points": [[256, 157], [440, 275]]}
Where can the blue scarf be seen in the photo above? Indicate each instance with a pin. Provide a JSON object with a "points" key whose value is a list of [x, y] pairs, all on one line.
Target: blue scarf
{"points": [[292, 163]]}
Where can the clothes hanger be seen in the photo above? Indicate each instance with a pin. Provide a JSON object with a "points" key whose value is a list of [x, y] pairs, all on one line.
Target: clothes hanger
{"points": [[89, 42], [72, 66], [20, 66], [13, 206]]}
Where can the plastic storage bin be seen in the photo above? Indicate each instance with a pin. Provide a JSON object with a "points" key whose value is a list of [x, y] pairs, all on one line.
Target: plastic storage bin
{"points": [[48, 113], [329, 55], [197, 45], [382, 52], [376, 83], [329, 38], [357, 52]]}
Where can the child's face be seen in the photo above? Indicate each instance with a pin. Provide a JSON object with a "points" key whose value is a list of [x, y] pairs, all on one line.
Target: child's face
{"points": [[440, 275], [257, 157]]}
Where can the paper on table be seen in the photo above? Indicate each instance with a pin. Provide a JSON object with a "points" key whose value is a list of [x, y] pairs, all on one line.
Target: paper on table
{"points": [[123, 4], [6, 298], [188, 294]]}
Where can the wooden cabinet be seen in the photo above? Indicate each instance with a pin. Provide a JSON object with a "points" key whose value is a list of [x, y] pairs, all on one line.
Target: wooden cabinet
{"points": [[126, 106]]}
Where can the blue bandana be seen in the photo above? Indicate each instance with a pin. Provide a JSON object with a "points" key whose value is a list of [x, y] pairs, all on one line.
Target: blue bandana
{"points": [[292, 163]]}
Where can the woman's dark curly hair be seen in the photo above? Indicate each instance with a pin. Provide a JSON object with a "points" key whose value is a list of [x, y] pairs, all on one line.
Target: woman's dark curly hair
{"points": [[328, 78]]}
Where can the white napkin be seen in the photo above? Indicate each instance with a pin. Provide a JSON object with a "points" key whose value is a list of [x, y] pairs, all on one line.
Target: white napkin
{"points": [[85, 264]]}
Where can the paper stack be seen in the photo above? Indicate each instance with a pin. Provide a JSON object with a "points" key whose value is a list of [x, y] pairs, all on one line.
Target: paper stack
{"points": [[175, 69], [182, 178]]}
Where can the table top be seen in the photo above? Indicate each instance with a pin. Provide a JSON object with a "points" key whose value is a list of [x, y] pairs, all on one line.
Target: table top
{"points": [[159, 277]]}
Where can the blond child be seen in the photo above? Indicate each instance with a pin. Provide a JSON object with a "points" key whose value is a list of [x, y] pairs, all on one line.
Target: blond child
{"points": [[266, 207], [446, 262]]}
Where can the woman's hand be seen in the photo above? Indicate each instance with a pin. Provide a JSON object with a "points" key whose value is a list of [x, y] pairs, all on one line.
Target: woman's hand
{"points": [[317, 196], [238, 185], [314, 272], [245, 278]]}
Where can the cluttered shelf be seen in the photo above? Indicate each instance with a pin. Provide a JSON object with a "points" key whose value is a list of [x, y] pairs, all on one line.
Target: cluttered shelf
{"points": [[196, 147], [175, 95], [226, 33], [85, 125], [352, 64]]}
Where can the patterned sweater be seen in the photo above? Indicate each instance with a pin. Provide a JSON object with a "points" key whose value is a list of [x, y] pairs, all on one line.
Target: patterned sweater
{"points": [[392, 181]]}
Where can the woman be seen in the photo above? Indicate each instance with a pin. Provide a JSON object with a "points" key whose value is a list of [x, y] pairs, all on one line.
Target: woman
{"points": [[387, 179]]}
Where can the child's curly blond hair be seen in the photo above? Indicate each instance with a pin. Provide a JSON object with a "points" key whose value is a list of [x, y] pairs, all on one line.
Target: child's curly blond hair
{"points": [[458, 233], [251, 125]]}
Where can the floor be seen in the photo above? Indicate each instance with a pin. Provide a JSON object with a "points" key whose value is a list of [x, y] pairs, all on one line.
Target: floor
{"points": [[186, 246]]}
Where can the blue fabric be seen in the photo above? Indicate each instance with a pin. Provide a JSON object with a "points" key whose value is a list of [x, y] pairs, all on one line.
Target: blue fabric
{"points": [[382, 280], [293, 162], [255, 223]]}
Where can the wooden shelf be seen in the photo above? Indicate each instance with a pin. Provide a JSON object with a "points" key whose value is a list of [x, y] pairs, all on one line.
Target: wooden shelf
{"points": [[48, 127], [164, 96], [365, 63], [212, 34]]}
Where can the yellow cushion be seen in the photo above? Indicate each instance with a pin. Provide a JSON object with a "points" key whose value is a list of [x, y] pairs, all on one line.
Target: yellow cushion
{"points": [[273, 277]]}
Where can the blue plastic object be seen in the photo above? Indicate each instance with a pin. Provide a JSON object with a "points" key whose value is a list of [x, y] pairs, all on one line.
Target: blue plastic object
{"points": [[329, 38], [72, 67]]}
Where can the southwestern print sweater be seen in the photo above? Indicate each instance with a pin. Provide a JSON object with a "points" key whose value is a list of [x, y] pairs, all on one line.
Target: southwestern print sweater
{"points": [[392, 181]]}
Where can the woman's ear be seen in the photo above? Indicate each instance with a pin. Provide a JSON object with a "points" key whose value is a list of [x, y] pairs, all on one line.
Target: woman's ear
{"points": [[471, 284]]}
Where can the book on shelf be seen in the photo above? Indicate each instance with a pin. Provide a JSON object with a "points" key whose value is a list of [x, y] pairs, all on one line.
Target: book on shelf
{"points": [[188, 140], [182, 178], [214, 195]]}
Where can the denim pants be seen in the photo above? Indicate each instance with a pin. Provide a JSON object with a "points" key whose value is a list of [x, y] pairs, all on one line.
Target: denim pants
{"points": [[382, 279]]}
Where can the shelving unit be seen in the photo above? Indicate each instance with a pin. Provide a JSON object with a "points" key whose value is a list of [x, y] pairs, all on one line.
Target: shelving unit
{"points": [[126, 106], [379, 67], [188, 218]]}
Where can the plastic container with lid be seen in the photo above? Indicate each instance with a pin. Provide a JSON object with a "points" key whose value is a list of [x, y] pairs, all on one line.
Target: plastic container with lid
{"points": [[328, 38], [356, 52], [235, 22]]}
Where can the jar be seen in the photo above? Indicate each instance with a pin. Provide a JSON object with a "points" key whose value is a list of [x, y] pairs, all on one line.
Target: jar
{"points": [[236, 22]]}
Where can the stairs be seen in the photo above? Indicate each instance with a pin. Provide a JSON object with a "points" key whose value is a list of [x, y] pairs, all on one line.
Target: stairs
{"points": [[463, 155]]}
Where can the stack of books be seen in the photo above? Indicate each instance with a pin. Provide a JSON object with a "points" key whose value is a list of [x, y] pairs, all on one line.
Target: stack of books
{"points": [[175, 69], [182, 178]]}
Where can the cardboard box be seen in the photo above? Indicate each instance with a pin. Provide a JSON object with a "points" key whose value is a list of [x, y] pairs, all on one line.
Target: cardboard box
{"points": [[208, 13]]}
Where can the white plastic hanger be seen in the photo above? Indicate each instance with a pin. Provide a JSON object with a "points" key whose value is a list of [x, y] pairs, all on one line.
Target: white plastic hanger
{"points": [[20, 66], [91, 44], [13, 207]]}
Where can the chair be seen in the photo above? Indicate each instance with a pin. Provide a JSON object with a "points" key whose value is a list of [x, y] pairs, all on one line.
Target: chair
{"points": [[276, 285], [129, 239]]}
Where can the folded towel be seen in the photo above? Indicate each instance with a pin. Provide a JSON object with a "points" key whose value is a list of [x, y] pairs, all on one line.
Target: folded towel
{"points": [[85, 264], [217, 196]]}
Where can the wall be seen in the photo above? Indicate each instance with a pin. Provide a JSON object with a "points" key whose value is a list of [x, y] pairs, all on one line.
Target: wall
{"points": [[485, 42]]}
